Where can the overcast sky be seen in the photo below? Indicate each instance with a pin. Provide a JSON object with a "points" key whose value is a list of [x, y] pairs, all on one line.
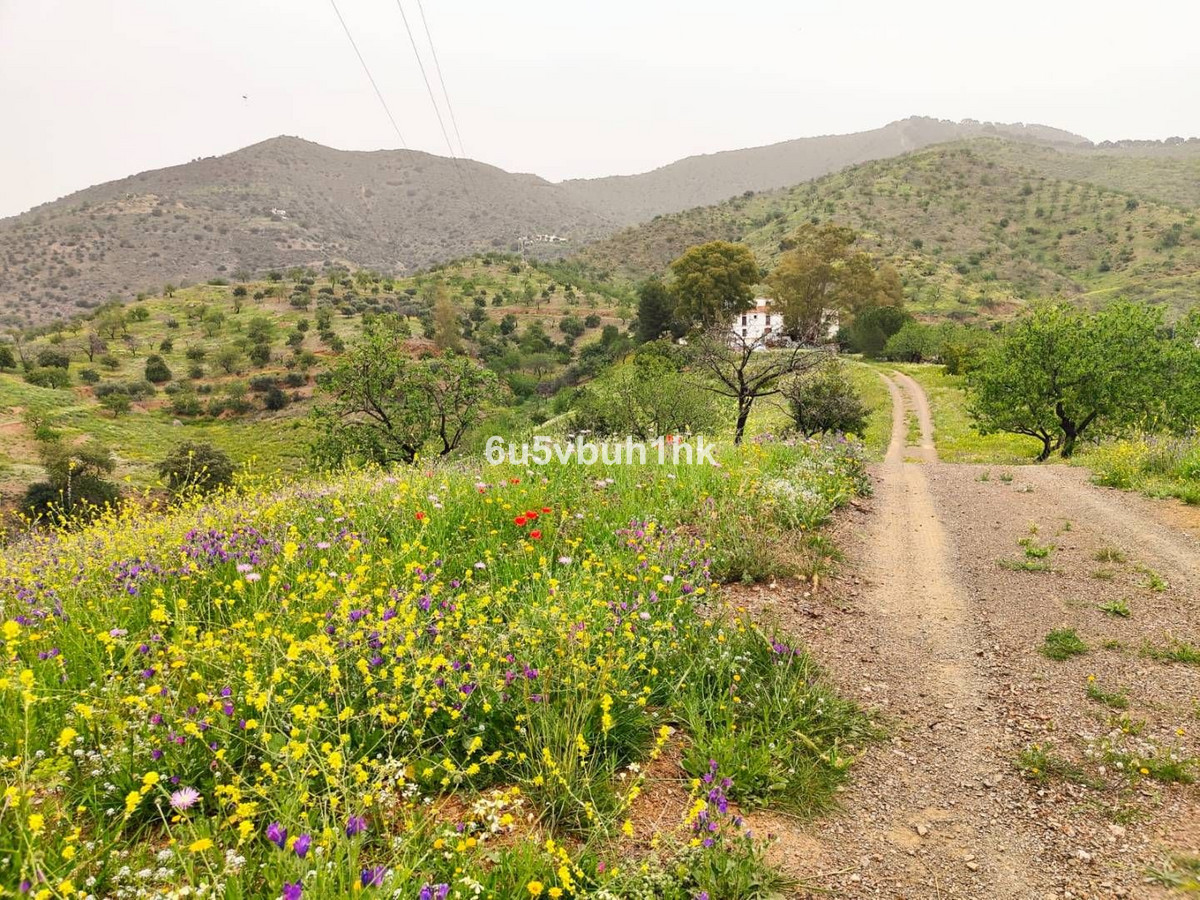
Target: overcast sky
{"points": [[92, 90]]}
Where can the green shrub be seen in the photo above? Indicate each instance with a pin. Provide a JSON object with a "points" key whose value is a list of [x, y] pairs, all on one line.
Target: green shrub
{"points": [[157, 371], [195, 466], [49, 377]]}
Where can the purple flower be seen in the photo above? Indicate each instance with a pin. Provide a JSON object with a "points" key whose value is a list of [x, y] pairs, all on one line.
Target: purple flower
{"points": [[434, 892], [292, 890], [373, 876], [302, 844], [184, 798], [277, 834], [356, 825]]}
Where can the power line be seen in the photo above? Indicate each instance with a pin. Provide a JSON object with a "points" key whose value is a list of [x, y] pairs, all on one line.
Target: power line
{"points": [[438, 66], [370, 77], [425, 78]]}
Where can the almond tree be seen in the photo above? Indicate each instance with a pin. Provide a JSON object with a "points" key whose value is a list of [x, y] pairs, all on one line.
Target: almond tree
{"points": [[744, 370]]}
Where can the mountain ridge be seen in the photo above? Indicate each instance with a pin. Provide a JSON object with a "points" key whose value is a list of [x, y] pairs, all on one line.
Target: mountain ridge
{"points": [[286, 202]]}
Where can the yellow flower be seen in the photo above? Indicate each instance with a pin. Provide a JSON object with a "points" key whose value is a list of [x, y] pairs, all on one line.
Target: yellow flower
{"points": [[150, 779], [535, 888], [200, 846], [65, 737], [37, 822]]}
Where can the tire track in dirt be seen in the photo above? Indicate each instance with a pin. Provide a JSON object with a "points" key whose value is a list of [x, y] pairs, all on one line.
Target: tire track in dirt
{"points": [[921, 817]]}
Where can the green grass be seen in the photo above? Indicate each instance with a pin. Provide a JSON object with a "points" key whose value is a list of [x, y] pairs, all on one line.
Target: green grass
{"points": [[1155, 465], [1111, 699], [1040, 764], [1175, 651], [956, 439], [265, 443], [1181, 872], [1063, 643], [877, 399]]}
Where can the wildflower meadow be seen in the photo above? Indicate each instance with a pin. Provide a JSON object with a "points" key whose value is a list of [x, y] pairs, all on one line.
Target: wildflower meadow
{"points": [[442, 682]]}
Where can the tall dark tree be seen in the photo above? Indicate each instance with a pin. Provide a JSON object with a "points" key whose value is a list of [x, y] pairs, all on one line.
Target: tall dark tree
{"points": [[656, 311]]}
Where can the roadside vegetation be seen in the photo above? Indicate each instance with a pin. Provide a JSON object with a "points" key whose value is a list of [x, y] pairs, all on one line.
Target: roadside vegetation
{"points": [[449, 679]]}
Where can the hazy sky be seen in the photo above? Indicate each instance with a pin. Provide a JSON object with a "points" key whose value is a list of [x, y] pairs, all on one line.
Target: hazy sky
{"points": [[92, 90]]}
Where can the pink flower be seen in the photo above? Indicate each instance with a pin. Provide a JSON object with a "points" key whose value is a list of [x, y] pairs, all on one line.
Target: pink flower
{"points": [[184, 798]]}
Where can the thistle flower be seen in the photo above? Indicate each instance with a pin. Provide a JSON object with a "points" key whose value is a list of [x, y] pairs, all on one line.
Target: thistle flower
{"points": [[184, 798]]}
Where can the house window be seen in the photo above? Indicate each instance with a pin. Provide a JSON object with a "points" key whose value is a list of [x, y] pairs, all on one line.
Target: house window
{"points": [[743, 331], [743, 322]]}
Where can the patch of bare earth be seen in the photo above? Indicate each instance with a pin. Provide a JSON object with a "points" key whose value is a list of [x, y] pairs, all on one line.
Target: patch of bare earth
{"points": [[930, 628]]}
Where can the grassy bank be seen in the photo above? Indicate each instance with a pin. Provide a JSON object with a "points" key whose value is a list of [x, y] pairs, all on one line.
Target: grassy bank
{"points": [[450, 680]]}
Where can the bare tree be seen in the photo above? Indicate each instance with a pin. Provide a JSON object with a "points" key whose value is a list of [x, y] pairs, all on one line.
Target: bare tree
{"points": [[93, 345], [745, 370]]}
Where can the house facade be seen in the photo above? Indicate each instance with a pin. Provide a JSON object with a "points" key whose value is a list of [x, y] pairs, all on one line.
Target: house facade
{"points": [[757, 324]]}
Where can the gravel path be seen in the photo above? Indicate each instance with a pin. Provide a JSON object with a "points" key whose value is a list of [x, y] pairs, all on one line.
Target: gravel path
{"points": [[938, 625]]}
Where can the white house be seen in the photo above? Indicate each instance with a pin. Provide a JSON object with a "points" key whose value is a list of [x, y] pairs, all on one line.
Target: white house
{"points": [[763, 326], [756, 325]]}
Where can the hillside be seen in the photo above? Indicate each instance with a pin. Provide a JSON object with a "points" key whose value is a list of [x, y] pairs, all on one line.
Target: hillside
{"points": [[703, 180], [284, 202], [220, 390], [289, 202], [975, 228]]}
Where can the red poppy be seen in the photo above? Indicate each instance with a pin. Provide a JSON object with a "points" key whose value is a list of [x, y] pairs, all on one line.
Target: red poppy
{"points": [[545, 509], [531, 516], [535, 534], [420, 515], [514, 481], [519, 520]]}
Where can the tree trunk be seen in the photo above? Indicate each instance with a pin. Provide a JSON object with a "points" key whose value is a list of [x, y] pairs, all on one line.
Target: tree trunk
{"points": [[1047, 448], [1070, 435], [744, 405]]}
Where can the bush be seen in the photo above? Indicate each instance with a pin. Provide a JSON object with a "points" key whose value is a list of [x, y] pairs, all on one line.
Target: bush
{"points": [[276, 399], [117, 404], [8, 359], [89, 376], [87, 497], [50, 358], [49, 377], [157, 371], [198, 467], [186, 403], [825, 400]]}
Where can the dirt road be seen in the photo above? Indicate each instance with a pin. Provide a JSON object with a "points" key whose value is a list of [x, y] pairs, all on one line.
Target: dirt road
{"points": [[961, 572]]}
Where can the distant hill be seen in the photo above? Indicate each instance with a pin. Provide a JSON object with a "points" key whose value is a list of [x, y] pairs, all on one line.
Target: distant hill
{"points": [[975, 228], [288, 202], [279, 203], [702, 180]]}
